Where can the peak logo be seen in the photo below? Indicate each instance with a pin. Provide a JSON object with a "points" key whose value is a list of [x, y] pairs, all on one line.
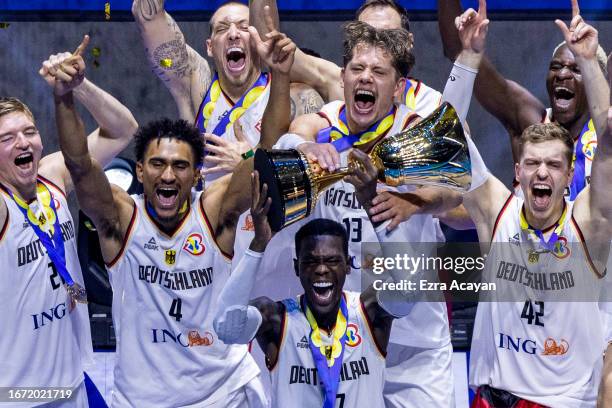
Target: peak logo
{"points": [[152, 245], [353, 339], [194, 244], [552, 348], [303, 343]]}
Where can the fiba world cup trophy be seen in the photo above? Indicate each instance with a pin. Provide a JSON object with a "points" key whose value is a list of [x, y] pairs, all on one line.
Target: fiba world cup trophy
{"points": [[434, 152]]}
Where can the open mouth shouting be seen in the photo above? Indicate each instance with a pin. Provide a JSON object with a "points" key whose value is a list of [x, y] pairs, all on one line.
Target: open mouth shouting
{"points": [[541, 195], [323, 292], [236, 59], [563, 97], [25, 163], [167, 197], [364, 101]]}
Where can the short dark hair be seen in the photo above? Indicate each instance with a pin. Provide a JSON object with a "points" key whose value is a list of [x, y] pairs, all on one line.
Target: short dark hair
{"points": [[544, 132], [405, 21], [396, 42], [319, 227], [170, 129]]}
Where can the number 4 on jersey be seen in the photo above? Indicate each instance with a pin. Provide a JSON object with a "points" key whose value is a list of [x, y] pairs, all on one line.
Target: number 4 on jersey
{"points": [[531, 315], [175, 309]]}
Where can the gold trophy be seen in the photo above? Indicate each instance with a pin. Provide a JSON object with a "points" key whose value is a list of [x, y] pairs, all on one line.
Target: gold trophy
{"points": [[433, 152]]}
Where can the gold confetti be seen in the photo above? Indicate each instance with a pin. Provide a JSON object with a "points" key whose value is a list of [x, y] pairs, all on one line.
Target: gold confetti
{"points": [[166, 63], [96, 51], [4, 25], [107, 10]]}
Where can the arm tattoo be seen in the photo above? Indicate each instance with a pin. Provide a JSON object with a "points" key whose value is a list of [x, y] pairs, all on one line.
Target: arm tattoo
{"points": [[310, 101], [149, 8], [292, 108]]}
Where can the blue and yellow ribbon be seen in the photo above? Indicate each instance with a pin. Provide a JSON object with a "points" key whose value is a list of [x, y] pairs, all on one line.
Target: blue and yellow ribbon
{"points": [[554, 237], [343, 140], [210, 101], [584, 150], [328, 359]]}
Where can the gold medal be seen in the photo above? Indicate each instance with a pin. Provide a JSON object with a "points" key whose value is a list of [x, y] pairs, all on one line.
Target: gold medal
{"points": [[76, 292]]}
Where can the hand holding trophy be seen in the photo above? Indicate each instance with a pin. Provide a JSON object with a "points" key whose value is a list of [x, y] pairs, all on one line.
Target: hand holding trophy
{"points": [[434, 152]]}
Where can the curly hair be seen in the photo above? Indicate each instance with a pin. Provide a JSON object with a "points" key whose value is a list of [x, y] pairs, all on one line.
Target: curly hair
{"points": [[544, 132], [170, 129], [395, 42]]}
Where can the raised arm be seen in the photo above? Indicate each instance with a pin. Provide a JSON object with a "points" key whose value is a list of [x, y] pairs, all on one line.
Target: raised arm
{"points": [[185, 73], [109, 209], [593, 206], [583, 41], [116, 123], [320, 74], [238, 319], [487, 194], [514, 106]]}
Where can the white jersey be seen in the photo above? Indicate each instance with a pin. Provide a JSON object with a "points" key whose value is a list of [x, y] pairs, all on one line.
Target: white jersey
{"points": [[420, 98], [541, 348], [44, 343], [250, 119], [295, 381], [165, 291]]}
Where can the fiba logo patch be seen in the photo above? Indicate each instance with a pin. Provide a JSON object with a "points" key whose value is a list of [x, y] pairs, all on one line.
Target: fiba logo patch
{"points": [[193, 244], [56, 203], [170, 256], [561, 249], [353, 339]]}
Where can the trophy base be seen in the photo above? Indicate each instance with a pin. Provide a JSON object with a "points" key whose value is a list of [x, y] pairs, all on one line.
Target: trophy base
{"points": [[284, 172]]}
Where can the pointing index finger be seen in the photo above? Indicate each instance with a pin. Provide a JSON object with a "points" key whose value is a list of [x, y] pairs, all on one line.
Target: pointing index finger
{"points": [[268, 18], [575, 8], [79, 50], [482, 8]]}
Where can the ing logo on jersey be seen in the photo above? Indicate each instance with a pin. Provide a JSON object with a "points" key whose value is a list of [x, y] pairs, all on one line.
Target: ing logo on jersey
{"points": [[194, 244], [353, 339], [552, 348], [589, 149], [561, 249], [170, 257], [248, 223]]}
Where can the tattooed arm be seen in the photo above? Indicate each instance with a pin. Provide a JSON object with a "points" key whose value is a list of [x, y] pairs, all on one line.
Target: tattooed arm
{"points": [[185, 73], [304, 99]]}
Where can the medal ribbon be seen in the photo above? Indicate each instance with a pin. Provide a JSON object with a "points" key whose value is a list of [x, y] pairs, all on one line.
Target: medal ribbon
{"points": [[409, 96], [343, 140], [210, 101], [554, 237], [51, 239], [328, 359], [578, 181]]}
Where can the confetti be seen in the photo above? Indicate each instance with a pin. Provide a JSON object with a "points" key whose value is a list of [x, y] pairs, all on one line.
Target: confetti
{"points": [[4, 25], [107, 10], [96, 51], [166, 63]]}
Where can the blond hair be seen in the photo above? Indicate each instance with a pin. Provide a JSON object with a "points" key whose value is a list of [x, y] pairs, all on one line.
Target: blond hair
{"points": [[10, 105]]}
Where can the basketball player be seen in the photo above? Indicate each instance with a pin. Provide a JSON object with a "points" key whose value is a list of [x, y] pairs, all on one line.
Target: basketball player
{"points": [[47, 340], [168, 254], [517, 108], [352, 327], [535, 348], [431, 341], [237, 92]]}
